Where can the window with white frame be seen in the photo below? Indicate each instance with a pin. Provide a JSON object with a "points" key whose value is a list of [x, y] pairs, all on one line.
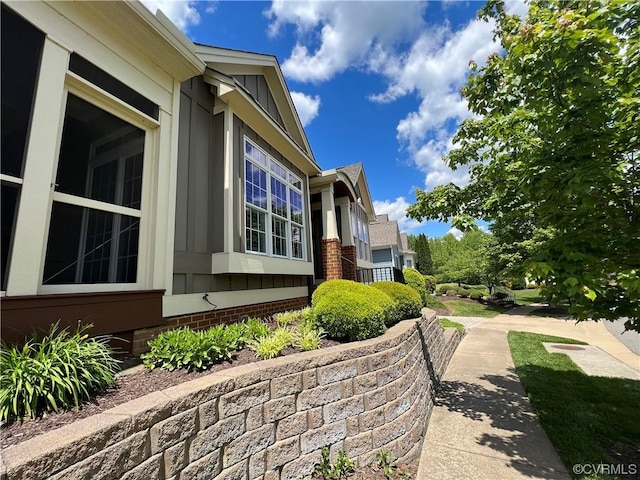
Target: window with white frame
{"points": [[360, 231], [274, 218], [94, 231]]}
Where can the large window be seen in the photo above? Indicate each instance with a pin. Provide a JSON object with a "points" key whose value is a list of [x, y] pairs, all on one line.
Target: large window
{"points": [[274, 218], [360, 231], [95, 220]]}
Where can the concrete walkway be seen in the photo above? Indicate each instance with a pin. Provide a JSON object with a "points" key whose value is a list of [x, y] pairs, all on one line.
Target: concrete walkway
{"points": [[483, 426]]}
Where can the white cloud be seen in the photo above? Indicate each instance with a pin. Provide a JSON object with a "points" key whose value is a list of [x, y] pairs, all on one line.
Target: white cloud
{"points": [[307, 106], [397, 210], [455, 232], [181, 13], [346, 33]]}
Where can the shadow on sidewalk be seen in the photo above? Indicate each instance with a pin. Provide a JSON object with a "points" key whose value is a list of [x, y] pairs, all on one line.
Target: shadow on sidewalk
{"points": [[504, 405]]}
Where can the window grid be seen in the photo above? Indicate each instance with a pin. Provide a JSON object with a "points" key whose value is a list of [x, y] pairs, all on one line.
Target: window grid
{"points": [[273, 206]]}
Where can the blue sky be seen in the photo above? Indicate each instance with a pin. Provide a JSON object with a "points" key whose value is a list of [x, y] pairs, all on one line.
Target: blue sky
{"points": [[375, 82]]}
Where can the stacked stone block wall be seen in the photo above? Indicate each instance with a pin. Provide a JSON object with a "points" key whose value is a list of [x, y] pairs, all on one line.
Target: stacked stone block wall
{"points": [[267, 420], [202, 320]]}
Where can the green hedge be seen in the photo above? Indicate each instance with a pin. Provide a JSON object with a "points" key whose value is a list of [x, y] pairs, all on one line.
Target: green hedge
{"points": [[349, 315], [407, 300]]}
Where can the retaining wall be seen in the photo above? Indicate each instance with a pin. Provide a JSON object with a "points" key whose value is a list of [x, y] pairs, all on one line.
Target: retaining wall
{"points": [[267, 420]]}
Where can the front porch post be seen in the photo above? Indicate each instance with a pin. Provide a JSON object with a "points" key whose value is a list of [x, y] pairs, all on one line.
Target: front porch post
{"points": [[331, 245]]}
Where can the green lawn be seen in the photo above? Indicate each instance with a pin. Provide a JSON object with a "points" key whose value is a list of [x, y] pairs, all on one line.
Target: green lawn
{"points": [[446, 323], [459, 308], [528, 296], [590, 420]]}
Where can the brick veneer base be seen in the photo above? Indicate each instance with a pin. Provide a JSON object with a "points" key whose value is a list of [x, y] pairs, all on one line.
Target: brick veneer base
{"points": [[332, 258], [202, 320], [267, 420]]}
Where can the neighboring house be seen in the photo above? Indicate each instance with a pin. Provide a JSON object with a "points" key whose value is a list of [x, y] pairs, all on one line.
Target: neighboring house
{"points": [[147, 182], [341, 209], [407, 255], [386, 246]]}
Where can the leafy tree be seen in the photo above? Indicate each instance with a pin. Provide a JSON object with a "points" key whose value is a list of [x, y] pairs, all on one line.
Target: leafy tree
{"points": [[423, 255], [553, 152]]}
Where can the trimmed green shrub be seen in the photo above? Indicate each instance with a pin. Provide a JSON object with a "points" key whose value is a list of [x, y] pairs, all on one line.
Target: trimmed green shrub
{"points": [[349, 315], [331, 286], [383, 300], [442, 289], [475, 295], [452, 293], [463, 292], [407, 299], [430, 283], [58, 371], [193, 350], [416, 281]]}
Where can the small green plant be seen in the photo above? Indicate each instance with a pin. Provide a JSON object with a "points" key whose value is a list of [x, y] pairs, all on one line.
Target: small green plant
{"points": [[386, 463], [254, 328], [307, 337], [284, 319], [272, 345], [452, 293], [193, 350], [58, 371], [342, 467], [446, 323]]}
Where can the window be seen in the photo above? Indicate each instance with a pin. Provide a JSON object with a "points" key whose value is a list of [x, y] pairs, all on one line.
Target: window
{"points": [[360, 231], [274, 218], [20, 66], [94, 231]]}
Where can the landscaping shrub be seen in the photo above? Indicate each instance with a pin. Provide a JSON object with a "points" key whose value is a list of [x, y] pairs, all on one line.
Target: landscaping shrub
{"points": [[58, 371], [254, 328], [452, 293], [330, 286], [464, 293], [475, 295], [407, 300], [379, 297], [430, 283], [193, 350], [349, 315], [416, 281], [442, 289]]}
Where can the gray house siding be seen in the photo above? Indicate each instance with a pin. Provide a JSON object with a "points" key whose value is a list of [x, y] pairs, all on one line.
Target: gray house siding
{"points": [[382, 256], [196, 186], [259, 89]]}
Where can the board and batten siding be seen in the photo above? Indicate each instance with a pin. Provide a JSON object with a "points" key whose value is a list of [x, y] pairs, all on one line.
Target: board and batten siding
{"points": [[259, 89]]}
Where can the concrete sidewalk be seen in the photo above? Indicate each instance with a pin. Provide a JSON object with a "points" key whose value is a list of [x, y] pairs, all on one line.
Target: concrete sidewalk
{"points": [[483, 425]]}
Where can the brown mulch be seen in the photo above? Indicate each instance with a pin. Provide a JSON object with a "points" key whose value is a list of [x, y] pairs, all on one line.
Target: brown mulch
{"points": [[129, 387]]}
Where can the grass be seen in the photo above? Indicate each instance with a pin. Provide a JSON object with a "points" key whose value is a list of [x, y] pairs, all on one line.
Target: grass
{"points": [[446, 323], [588, 419], [459, 308], [528, 296]]}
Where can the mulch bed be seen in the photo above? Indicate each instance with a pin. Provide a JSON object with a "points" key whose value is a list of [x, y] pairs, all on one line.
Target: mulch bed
{"points": [[129, 387]]}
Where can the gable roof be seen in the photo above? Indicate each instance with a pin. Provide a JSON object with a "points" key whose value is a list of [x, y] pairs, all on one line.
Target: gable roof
{"points": [[234, 63], [384, 233], [355, 174], [404, 239]]}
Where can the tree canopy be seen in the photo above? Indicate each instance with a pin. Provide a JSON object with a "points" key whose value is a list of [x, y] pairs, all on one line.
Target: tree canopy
{"points": [[553, 152], [424, 263]]}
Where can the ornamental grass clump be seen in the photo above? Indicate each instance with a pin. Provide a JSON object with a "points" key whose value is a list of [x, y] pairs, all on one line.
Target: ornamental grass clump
{"points": [[59, 371]]}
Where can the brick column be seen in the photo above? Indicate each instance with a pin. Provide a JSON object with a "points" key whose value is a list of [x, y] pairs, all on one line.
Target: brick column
{"points": [[332, 258], [349, 263]]}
